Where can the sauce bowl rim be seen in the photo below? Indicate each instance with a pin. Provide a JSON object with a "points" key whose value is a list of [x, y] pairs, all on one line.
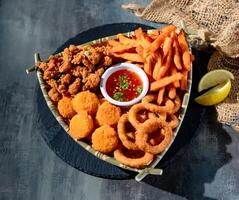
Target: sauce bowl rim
{"points": [[129, 66]]}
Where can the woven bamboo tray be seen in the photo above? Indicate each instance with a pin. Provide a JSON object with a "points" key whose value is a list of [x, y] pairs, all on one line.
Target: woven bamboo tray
{"points": [[141, 173]]}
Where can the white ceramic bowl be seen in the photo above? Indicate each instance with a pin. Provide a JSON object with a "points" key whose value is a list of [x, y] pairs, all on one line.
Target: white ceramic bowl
{"points": [[130, 67]]}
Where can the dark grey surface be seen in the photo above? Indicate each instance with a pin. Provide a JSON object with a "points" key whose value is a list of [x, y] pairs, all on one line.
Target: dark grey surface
{"points": [[206, 169]]}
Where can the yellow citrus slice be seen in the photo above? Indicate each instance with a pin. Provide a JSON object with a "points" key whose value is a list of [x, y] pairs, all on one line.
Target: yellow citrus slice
{"points": [[213, 78], [215, 95]]}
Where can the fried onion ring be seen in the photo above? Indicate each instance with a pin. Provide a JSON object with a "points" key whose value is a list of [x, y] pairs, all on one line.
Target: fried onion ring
{"points": [[125, 139], [177, 105], [133, 112], [161, 116], [174, 121], [140, 162], [142, 137], [169, 105]]}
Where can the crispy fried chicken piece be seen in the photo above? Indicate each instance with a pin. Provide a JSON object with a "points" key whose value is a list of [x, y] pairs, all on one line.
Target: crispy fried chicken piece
{"points": [[52, 83], [53, 63], [107, 61], [94, 57], [100, 71], [91, 81], [74, 49], [49, 74], [54, 94], [42, 65], [77, 58], [103, 49], [67, 57], [88, 64], [74, 87], [63, 90], [66, 80], [76, 71], [79, 71], [52, 70]]}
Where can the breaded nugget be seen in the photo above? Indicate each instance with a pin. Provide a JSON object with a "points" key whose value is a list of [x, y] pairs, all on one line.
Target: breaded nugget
{"points": [[86, 101], [105, 139], [108, 114], [65, 107], [81, 125]]}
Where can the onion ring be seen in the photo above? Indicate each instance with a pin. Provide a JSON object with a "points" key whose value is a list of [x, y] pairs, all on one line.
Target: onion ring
{"points": [[133, 162], [174, 121], [123, 134], [169, 105], [177, 105], [142, 137], [132, 116], [161, 116], [156, 139]]}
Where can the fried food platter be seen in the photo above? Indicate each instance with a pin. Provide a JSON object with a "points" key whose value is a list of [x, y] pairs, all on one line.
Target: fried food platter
{"points": [[142, 170]]}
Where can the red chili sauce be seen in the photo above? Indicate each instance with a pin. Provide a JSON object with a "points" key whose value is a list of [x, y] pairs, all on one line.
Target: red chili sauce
{"points": [[124, 85]]}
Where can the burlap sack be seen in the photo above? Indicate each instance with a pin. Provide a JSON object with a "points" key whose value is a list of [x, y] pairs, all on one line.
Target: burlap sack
{"points": [[214, 23]]}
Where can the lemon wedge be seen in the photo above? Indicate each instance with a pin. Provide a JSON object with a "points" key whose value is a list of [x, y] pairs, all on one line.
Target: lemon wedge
{"points": [[213, 78], [215, 95]]}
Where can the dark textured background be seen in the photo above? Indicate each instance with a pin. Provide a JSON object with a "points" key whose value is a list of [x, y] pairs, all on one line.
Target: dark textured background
{"points": [[206, 168]]}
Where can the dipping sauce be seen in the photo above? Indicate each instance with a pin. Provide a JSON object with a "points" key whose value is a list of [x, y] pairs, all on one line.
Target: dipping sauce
{"points": [[124, 85]]}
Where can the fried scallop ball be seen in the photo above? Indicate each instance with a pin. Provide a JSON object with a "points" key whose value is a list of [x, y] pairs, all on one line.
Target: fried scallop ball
{"points": [[87, 101], [105, 139], [65, 107], [81, 125], [108, 114]]}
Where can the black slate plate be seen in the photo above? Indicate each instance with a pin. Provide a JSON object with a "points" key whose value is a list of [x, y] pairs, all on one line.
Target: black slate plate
{"points": [[74, 154]]}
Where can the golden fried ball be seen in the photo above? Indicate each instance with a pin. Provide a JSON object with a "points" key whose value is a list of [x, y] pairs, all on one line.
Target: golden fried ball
{"points": [[81, 125], [87, 101], [108, 114], [65, 107], [104, 139]]}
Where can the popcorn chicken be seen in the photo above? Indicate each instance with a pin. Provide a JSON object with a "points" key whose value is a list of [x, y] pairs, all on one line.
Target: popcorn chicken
{"points": [[54, 95], [74, 87]]}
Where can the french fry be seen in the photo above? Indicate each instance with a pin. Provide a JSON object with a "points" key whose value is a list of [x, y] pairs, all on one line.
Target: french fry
{"points": [[186, 58], [140, 50], [160, 39], [176, 55], [113, 43], [165, 66], [184, 80], [154, 34], [156, 85], [131, 57], [182, 41], [126, 41], [142, 38], [138, 32], [120, 48], [167, 45], [157, 66], [146, 40], [148, 66], [174, 71], [160, 95], [171, 91], [169, 29]]}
